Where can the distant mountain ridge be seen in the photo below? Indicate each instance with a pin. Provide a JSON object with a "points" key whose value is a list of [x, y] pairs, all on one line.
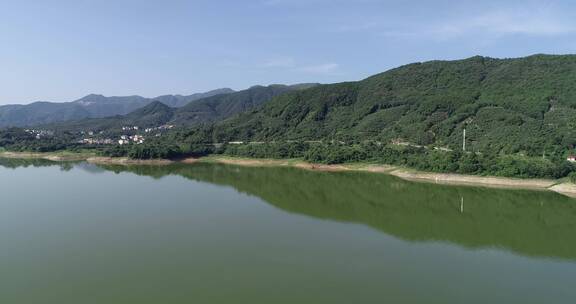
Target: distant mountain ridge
{"points": [[153, 114], [90, 106], [205, 110], [220, 107]]}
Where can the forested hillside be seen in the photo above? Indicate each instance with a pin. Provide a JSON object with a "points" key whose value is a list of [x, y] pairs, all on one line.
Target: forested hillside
{"points": [[152, 115], [224, 106], [506, 105]]}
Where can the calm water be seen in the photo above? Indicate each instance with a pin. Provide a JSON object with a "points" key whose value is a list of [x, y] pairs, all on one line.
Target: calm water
{"points": [[83, 234]]}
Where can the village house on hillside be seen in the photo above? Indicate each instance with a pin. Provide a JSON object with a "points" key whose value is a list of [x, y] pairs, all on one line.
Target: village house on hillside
{"points": [[126, 139]]}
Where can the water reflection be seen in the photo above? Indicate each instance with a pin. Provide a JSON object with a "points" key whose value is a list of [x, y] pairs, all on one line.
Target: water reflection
{"points": [[13, 163], [531, 223]]}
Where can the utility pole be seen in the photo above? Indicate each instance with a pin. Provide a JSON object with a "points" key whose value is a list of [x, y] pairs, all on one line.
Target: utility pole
{"points": [[464, 140]]}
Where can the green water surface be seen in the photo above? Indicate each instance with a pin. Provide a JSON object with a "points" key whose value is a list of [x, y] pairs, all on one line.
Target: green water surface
{"points": [[207, 233]]}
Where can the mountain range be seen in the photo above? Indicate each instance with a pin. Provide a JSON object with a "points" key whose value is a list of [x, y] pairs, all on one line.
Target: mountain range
{"points": [[90, 106], [204, 110], [515, 105]]}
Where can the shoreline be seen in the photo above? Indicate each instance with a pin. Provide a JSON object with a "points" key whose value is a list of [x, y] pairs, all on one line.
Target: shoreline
{"points": [[99, 160], [413, 175], [558, 186], [56, 157]]}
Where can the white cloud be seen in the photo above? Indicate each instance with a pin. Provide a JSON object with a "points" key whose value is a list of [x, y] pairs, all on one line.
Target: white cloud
{"points": [[539, 21], [286, 64], [280, 62], [529, 19], [290, 64], [323, 69]]}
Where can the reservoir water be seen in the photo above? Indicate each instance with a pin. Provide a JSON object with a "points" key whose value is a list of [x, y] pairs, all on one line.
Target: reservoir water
{"points": [[208, 233]]}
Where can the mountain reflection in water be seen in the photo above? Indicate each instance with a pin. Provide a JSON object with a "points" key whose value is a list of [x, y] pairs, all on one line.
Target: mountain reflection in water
{"points": [[530, 223]]}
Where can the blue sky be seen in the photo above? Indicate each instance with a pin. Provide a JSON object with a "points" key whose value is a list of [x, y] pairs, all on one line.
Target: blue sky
{"points": [[63, 50]]}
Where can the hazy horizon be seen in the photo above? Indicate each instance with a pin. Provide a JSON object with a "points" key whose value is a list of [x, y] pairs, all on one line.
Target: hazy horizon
{"points": [[63, 50]]}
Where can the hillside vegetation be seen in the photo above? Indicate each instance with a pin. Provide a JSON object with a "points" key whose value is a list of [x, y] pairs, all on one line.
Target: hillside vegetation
{"points": [[525, 105], [153, 114]]}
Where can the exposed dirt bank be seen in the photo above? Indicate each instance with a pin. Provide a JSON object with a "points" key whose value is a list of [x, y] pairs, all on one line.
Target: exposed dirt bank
{"points": [[565, 188], [127, 161], [568, 189], [58, 157], [459, 179]]}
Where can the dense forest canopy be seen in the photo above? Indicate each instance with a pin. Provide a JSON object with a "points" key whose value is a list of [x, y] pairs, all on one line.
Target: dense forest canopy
{"points": [[507, 105]]}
